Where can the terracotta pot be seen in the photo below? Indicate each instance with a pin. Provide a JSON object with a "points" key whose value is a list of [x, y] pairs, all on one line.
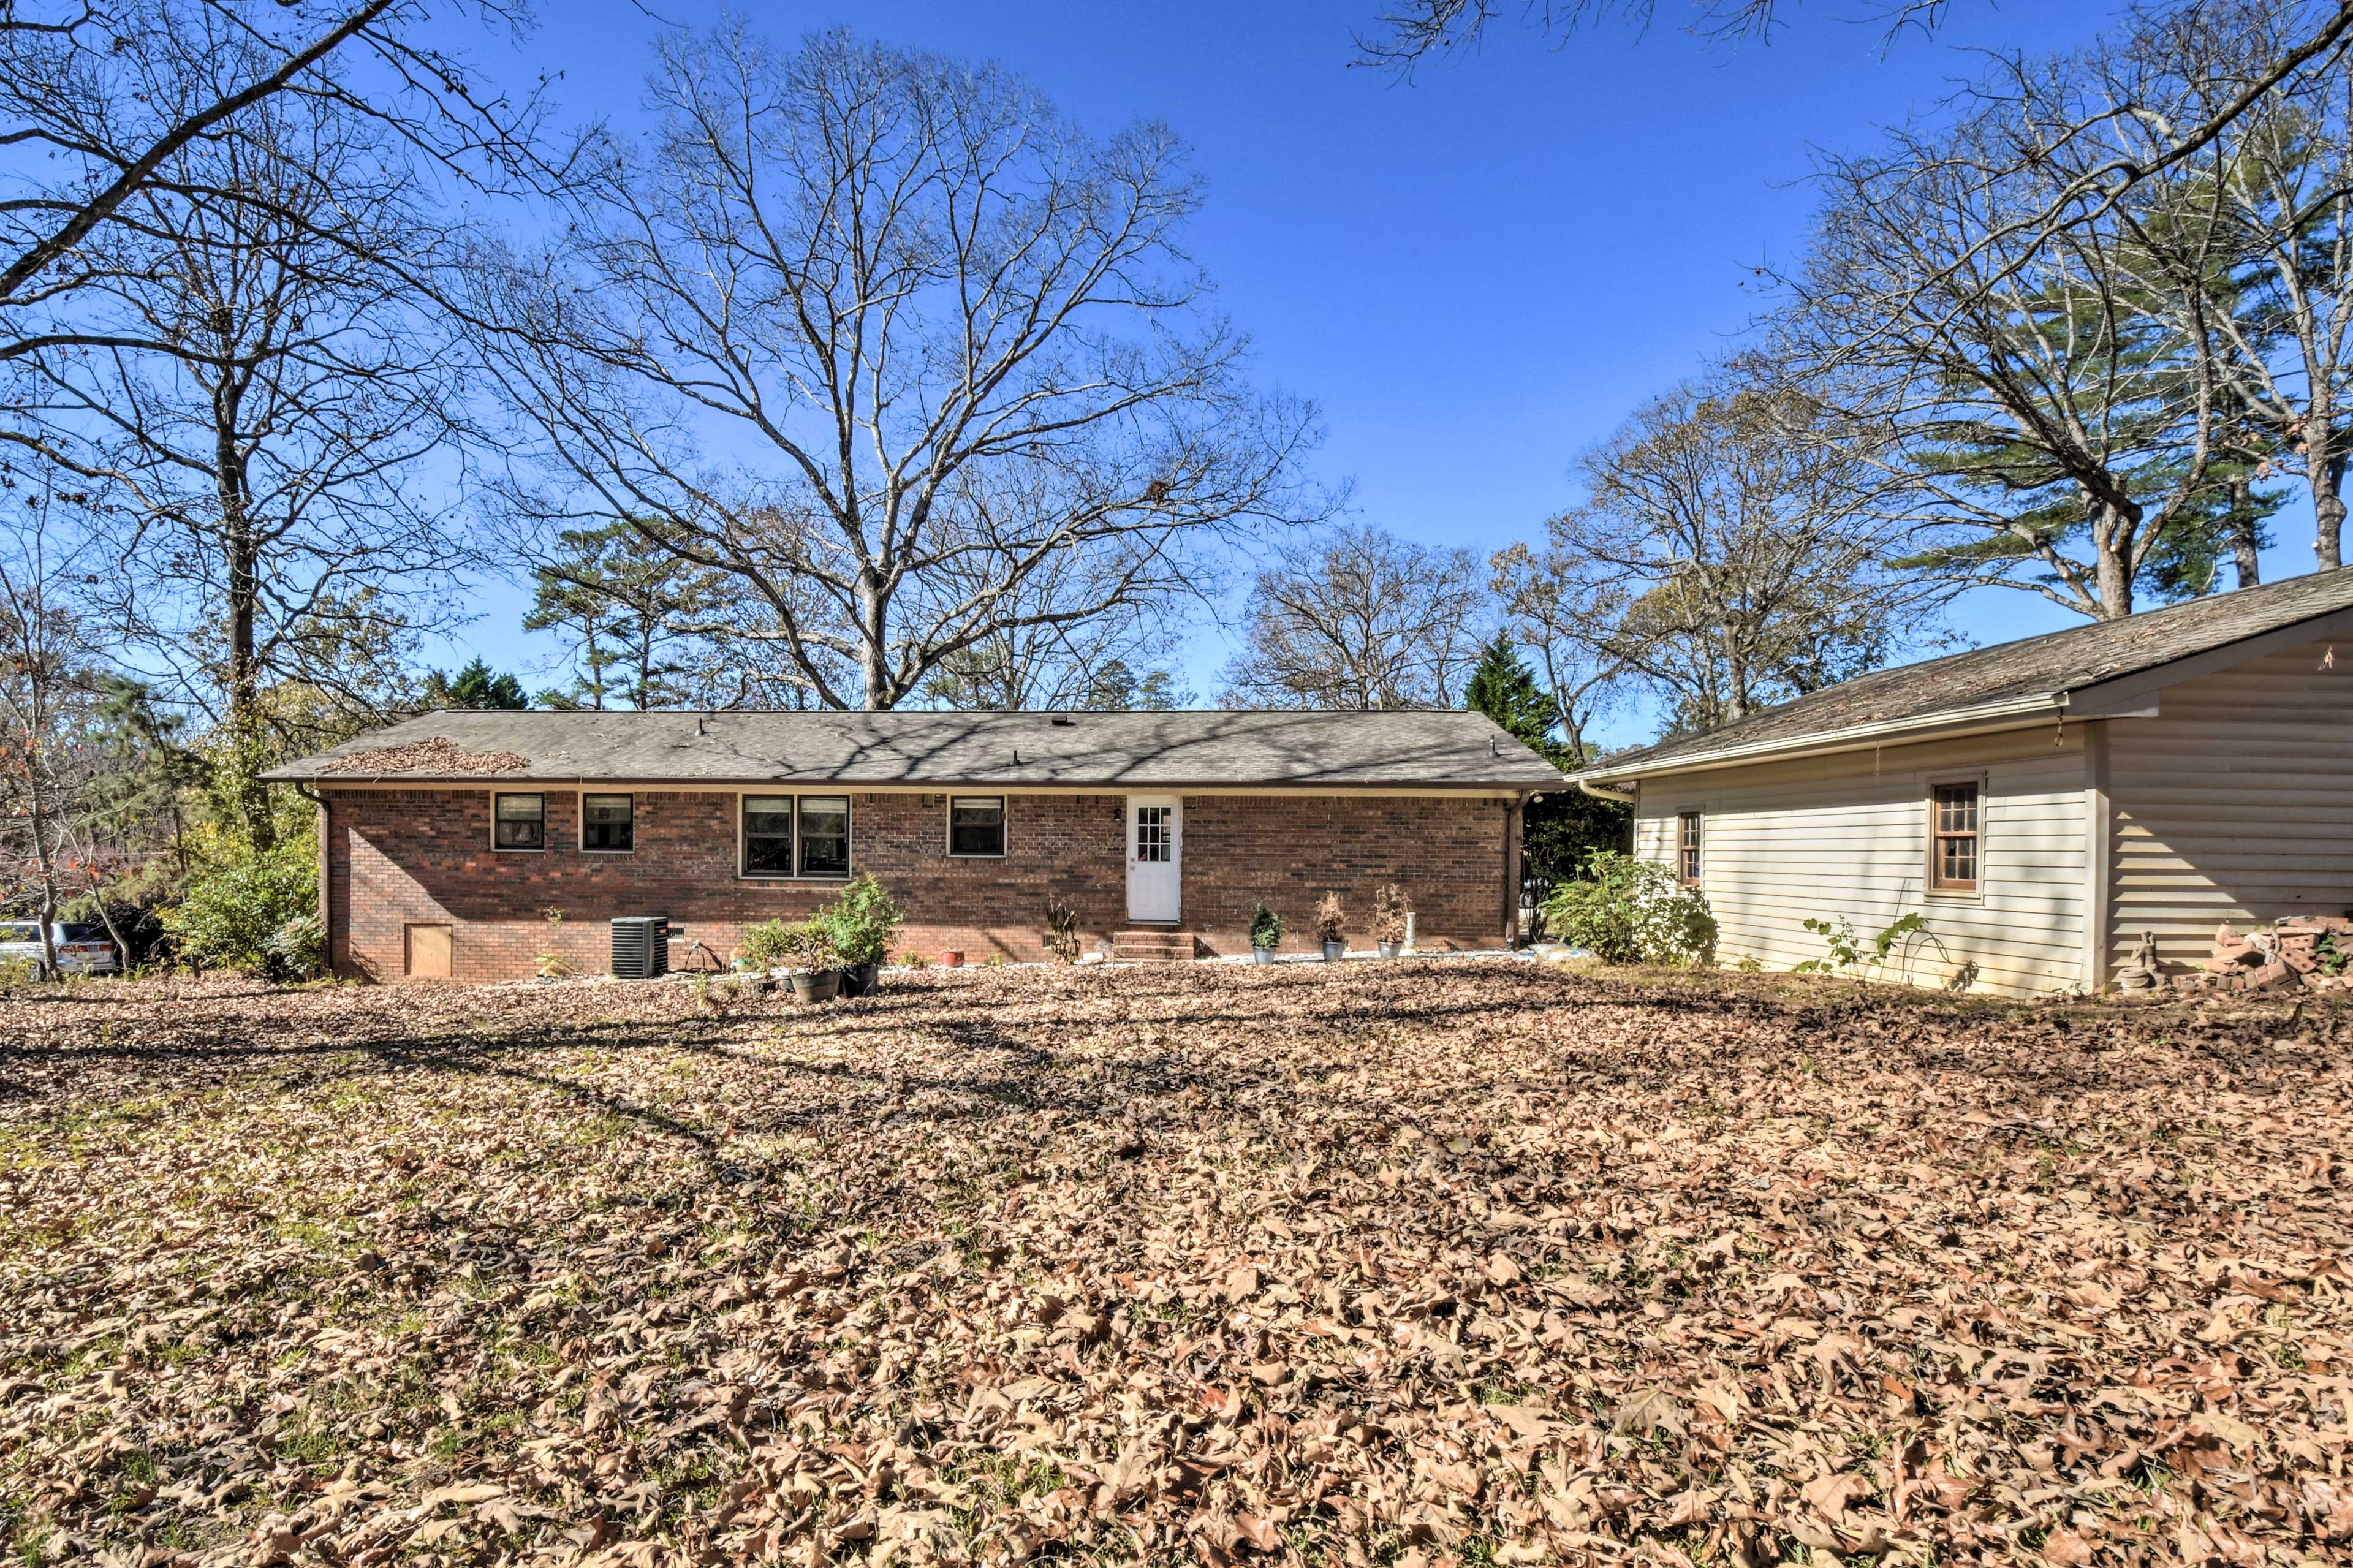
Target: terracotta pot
{"points": [[952, 959]]}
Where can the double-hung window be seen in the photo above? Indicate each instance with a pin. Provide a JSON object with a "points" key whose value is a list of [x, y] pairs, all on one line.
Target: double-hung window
{"points": [[976, 824], [796, 835], [1687, 848], [518, 822], [1953, 830], [608, 822]]}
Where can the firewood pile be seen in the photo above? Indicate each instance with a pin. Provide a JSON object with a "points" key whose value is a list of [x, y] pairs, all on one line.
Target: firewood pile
{"points": [[2313, 953]]}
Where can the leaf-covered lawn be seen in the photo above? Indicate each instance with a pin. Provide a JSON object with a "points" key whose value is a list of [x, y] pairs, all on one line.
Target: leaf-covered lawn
{"points": [[1378, 1263]]}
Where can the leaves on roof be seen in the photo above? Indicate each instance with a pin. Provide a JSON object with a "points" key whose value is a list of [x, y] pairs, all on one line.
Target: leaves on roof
{"points": [[435, 756]]}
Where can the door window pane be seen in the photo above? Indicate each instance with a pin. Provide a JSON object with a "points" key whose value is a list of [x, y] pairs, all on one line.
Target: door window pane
{"points": [[768, 836], [520, 822], [825, 836], [1152, 832], [606, 822], [976, 824]]}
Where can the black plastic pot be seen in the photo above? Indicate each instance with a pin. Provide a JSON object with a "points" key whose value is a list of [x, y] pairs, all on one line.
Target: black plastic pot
{"points": [[861, 979]]}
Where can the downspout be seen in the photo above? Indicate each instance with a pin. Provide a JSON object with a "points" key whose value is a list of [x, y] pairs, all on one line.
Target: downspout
{"points": [[1514, 814]]}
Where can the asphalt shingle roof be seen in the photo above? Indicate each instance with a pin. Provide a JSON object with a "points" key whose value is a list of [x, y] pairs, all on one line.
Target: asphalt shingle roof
{"points": [[1112, 750], [2051, 664]]}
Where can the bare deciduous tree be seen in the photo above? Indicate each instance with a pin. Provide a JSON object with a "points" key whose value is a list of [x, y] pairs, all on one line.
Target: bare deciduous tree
{"points": [[2053, 400], [262, 416], [885, 337], [1726, 556], [1361, 620], [107, 99]]}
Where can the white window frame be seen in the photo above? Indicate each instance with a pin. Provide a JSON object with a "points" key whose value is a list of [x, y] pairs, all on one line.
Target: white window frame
{"points": [[629, 796], [499, 849], [850, 802], [1003, 829]]}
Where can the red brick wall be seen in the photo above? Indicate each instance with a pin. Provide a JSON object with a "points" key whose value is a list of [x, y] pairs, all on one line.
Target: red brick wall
{"points": [[422, 855]]}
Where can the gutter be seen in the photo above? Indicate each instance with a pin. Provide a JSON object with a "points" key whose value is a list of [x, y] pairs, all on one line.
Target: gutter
{"points": [[1603, 792], [2011, 712]]}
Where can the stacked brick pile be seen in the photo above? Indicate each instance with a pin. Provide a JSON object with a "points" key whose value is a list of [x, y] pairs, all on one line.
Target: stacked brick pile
{"points": [[2305, 951]]}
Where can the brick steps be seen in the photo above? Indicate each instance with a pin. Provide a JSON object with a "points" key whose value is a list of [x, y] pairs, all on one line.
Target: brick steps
{"points": [[1154, 945]]}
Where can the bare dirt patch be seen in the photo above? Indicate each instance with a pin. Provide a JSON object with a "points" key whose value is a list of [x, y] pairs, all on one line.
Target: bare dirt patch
{"points": [[1380, 1264]]}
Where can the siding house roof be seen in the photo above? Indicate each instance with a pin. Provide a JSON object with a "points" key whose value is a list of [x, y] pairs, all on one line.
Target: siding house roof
{"points": [[1108, 750], [2063, 674]]}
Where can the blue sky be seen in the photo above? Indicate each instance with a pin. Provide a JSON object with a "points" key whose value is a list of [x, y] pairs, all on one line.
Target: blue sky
{"points": [[1476, 273]]}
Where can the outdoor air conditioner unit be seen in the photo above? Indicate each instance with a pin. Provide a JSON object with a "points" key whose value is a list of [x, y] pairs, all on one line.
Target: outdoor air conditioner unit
{"points": [[640, 946]]}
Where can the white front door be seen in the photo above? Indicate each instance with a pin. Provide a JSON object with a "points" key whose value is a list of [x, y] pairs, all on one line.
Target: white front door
{"points": [[1156, 849]]}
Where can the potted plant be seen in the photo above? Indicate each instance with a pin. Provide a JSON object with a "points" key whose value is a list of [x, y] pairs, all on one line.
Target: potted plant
{"points": [[953, 958], [766, 946], [1266, 933], [861, 922], [550, 966], [1390, 913], [1061, 929], [816, 962], [1331, 928]]}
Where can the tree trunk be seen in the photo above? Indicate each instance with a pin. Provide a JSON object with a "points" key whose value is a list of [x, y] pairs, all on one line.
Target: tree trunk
{"points": [[250, 794], [2113, 579], [45, 853], [872, 618], [2241, 527], [2327, 472]]}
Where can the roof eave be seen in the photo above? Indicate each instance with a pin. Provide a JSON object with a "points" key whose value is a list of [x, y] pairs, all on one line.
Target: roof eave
{"points": [[2011, 713]]}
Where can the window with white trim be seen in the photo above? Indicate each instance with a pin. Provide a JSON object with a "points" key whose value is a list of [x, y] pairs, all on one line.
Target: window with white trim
{"points": [[795, 836], [518, 822], [608, 822], [976, 824]]}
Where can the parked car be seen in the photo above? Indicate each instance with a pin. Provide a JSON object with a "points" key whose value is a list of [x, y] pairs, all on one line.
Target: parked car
{"points": [[81, 950]]}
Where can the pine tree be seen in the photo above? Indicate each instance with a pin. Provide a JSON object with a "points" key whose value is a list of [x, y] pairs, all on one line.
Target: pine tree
{"points": [[1560, 832], [476, 686]]}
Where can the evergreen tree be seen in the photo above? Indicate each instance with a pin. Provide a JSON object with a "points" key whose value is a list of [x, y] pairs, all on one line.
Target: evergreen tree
{"points": [[1560, 832], [476, 686]]}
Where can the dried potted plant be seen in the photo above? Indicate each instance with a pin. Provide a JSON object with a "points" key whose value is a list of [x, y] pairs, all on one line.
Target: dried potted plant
{"points": [[816, 962], [1331, 928], [1061, 929], [551, 966], [1266, 933], [1390, 913]]}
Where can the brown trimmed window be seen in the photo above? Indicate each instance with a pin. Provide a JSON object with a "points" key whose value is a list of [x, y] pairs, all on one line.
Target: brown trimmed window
{"points": [[1953, 837], [1687, 848], [608, 822]]}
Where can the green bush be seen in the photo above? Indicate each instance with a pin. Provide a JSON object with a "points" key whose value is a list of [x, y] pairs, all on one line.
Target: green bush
{"points": [[234, 912], [1631, 911], [862, 921], [1266, 927], [767, 946]]}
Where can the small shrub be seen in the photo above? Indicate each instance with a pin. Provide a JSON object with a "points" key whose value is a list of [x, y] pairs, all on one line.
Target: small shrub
{"points": [[809, 947], [1062, 929], [767, 946], [1631, 911], [1266, 926], [913, 959], [297, 950], [1846, 948], [1330, 919], [233, 911], [1389, 913], [862, 921]]}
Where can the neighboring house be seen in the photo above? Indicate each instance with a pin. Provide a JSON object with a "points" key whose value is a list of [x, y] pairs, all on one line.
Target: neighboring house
{"points": [[447, 841], [2041, 804]]}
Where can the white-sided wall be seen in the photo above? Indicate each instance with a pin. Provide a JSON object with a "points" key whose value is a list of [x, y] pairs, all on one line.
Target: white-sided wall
{"points": [[1847, 836], [2235, 804]]}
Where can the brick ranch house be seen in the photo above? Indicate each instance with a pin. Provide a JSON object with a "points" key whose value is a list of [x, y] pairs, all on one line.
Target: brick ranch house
{"points": [[445, 842]]}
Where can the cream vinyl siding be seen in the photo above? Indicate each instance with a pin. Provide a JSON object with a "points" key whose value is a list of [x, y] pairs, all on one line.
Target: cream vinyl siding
{"points": [[2235, 804], [1848, 835]]}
